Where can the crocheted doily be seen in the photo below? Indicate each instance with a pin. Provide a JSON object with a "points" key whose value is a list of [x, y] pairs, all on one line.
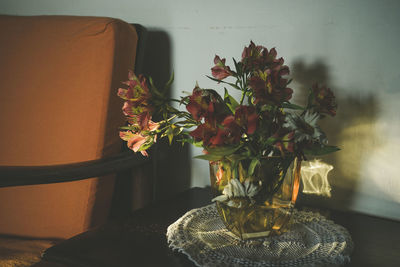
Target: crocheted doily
{"points": [[312, 241]]}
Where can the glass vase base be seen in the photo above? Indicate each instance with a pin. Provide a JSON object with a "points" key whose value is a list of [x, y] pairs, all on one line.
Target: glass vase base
{"points": [[255, 221]]}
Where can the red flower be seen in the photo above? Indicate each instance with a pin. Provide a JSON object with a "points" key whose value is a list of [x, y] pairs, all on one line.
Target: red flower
{"points": [[229, 132], [247, 117], [214, 134], [256, 57], [269, 87], [198, 104], [206, 104], [324, 100], [220, 71], [205, 131], [251, 56]]}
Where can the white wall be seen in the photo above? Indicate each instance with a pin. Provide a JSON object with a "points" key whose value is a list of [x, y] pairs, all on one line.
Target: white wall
{"points": [[351, 45]]}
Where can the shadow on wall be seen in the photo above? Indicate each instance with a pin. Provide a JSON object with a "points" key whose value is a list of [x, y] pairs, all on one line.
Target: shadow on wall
{"points": [[173, 164], [352, 129]]}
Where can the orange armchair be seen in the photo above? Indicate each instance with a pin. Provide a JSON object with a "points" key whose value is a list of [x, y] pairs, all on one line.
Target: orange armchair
{"points": [[59, 144]]}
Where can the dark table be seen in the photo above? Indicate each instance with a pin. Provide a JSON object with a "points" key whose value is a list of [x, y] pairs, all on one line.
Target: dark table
{"points": [[139, 240]]}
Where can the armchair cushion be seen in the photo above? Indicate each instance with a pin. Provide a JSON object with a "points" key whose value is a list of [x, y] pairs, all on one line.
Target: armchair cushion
{"points": [[59, 105]]}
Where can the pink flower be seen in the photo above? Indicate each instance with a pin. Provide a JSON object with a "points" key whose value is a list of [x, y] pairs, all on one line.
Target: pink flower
{"points": [[134, 141], [220, 71], [152, 126], [141, 120], [137, 106], [126, 94], [127, 109], [137, 91]]}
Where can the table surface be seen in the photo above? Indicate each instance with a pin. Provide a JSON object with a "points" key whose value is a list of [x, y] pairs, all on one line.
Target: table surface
{"points": [[140, 240]]}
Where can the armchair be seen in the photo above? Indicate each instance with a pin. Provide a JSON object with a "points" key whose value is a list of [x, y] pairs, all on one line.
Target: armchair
{"points": [[60, 152]]}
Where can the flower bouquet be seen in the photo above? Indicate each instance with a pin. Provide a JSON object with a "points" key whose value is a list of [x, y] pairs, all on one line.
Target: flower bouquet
{"points": [[254, 144]]}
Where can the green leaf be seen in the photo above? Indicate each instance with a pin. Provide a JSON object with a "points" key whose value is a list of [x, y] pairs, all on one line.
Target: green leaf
{"points": [[170, 81], [253, 164], [236, 157], [230, 101], [270, 141], [209, 157], [292, 106], [126, 127], [224, 150], [190, 140], [318, 150], [221, 81], [238, 67], [172, 131], [153, 88]]}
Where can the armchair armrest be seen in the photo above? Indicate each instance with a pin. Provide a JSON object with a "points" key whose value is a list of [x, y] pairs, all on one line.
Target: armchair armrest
{"points": [[33, 175]]}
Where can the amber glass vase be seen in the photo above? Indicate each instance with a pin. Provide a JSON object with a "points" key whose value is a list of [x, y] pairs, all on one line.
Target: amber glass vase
{"points": [[260, 204]]}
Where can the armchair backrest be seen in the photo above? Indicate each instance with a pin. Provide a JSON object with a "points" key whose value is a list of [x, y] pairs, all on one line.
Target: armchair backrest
{"points": [[58, 105]]}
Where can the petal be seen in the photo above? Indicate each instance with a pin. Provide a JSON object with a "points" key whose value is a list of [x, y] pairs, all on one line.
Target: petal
{"points": [[144, 153], [219, 138], [252, 121], [153, 125], [127, 108], [136, 142], [220, 198], [122, 93], [131, 75], [126, 135]]}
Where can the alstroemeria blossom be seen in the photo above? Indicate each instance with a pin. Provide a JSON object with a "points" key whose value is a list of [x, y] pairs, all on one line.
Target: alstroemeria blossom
{"points": [[220, 71], [198, 104], [229, 132], [256, 57], [270, 88], [137, 107], [247, 117], [137, 91], [134, 141], [205, 132], [324, 100]]}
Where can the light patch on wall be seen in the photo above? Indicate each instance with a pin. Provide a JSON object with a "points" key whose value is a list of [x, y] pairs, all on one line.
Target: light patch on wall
{"points": [[314, 175], [380, 169]]}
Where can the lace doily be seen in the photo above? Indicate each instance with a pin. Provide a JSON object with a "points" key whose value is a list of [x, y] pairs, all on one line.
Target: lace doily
{"points": [[312, 241]]}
